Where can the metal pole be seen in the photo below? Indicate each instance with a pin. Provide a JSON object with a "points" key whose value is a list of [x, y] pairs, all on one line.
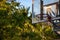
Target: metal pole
{"points": [[59, 8], [41, 9], [33, 15]]}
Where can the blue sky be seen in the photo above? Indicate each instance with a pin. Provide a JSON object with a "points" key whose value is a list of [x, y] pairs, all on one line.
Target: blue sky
{"points": [[50, 1], [28, 3]]}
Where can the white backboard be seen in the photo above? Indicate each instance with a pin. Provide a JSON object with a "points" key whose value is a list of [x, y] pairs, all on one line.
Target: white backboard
{"points": [[37, 9]]}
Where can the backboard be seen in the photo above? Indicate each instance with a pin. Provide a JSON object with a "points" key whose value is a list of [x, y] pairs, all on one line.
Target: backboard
{"points": [[48, 7]]}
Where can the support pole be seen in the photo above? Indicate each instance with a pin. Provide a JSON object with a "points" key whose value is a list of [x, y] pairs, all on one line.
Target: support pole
{"points": [[59, 8], [33, 15], [41, 10]]}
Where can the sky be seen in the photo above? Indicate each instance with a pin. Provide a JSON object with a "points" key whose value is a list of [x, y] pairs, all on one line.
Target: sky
{"points": [[28, 3]]}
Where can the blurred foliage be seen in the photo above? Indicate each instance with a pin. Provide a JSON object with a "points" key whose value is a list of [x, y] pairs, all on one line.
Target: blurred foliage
{"points": [[15, 25]]}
